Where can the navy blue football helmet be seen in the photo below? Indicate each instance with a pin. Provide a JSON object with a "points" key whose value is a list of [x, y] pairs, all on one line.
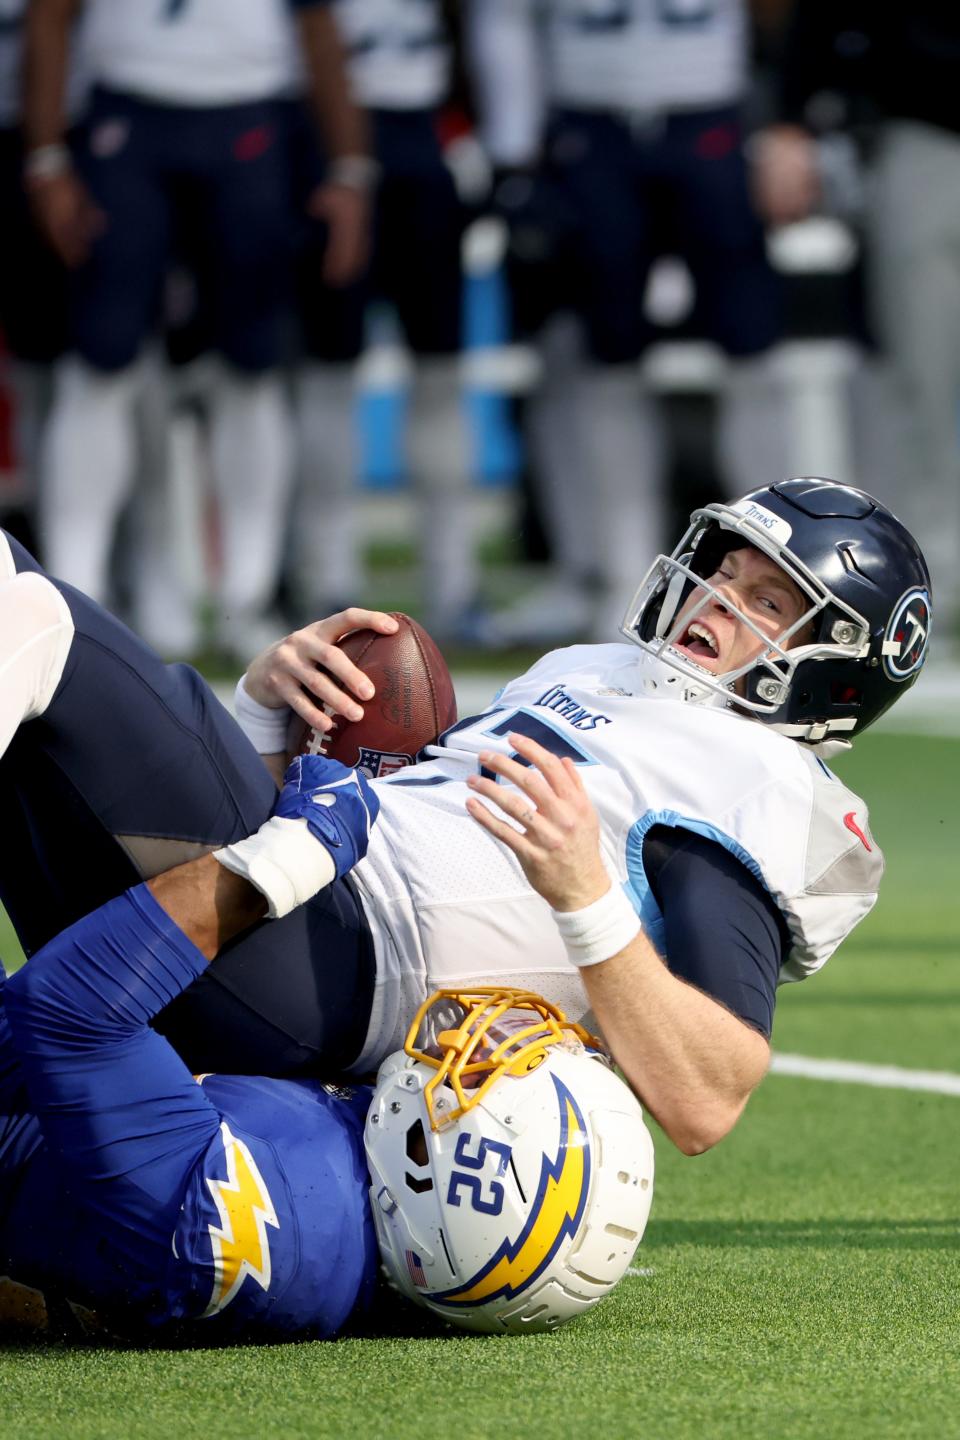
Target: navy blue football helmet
{"points": [[863, 637]]}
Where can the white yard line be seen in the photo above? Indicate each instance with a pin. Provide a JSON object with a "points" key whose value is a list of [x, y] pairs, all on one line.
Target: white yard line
{"points": [[854, 1072]]}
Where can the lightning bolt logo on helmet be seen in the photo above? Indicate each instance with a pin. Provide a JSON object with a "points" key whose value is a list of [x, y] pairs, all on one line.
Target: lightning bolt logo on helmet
{"points": [[240, 1243], [555, 1213], [510, 1168]]}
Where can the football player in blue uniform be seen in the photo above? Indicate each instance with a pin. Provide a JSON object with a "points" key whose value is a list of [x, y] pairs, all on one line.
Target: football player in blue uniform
{"points": [[155, 1198]]}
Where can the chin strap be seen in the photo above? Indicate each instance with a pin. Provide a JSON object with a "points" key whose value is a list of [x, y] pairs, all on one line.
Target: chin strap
{"points": [[669, 682], [826, 749], [816, 733]]}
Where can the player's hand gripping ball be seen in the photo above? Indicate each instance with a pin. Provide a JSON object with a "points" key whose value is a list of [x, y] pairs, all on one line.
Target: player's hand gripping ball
{"points": [[413, 704]]}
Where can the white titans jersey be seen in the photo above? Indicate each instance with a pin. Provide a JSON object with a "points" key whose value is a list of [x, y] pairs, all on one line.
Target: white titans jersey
{"points": [[398, 52], [448, 905], [194, 52], [633, 55]]}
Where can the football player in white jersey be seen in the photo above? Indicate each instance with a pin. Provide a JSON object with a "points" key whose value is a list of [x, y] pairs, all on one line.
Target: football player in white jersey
{"points": [[805, 607], [400, 63], [187, 129], [667, 843], [616, 125]]}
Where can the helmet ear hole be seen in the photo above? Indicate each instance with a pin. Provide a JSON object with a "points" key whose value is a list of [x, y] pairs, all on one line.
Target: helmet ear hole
{"points": [[418, 1185], [416, 1144], [844, 694]]}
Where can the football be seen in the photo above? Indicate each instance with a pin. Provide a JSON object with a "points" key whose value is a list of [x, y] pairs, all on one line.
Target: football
{"points": [[413, 704]]}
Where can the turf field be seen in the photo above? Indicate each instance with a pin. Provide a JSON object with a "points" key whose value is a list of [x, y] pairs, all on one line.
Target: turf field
{"points": [[803, 1280]]}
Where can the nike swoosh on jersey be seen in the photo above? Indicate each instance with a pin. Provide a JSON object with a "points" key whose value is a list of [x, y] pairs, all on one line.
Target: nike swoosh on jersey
{"points": [[851, 823]]}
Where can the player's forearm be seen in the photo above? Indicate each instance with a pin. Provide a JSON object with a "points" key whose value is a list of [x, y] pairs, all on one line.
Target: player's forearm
{"points": [[209, 903], [692, 1063], [45, 61], [343, 124]]}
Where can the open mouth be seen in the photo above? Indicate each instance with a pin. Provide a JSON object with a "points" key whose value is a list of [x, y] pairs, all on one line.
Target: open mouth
{"points": [[700, 644]]}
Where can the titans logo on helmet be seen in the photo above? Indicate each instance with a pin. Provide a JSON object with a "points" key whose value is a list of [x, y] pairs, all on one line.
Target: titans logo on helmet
{"points": [[907, 636]]}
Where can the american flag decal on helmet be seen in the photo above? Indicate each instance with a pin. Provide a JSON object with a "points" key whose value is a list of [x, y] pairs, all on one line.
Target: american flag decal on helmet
{"points": [[415, 1267]]}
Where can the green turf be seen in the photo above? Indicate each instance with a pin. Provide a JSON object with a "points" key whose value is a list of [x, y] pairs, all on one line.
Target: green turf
{"points": [[805, 1274], [886, 995], [805, 1283]]}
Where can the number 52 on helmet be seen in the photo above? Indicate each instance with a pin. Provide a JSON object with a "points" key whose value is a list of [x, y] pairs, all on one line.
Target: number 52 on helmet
{"points": [[511, 1169]]}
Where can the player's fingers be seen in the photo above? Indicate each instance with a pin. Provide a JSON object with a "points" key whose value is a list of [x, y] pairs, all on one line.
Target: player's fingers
{"points": [[320, 717], [533, 789], [514, 840], [543, 828], [560, 776], [314, 658], [545, 779], [355, 618], [543, 773], [291, 677], [321, 694], [515, 803]]}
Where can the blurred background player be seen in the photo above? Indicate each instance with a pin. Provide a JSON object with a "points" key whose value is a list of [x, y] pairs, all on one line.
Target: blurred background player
{"points": [[400, 62], [889, 74], [624, 120], [188, 125], [33, 312]]}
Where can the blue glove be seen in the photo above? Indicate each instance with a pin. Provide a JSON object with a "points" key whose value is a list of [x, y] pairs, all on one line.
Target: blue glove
{"points": [[338, 804]]}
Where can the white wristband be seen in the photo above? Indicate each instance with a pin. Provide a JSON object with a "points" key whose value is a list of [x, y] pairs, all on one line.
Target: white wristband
{"points": [[45, 162], [600, 930], [265, 726], [356, 172], [283, 861]]}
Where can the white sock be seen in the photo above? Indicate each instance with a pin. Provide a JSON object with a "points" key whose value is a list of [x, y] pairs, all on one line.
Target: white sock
{"points": [[623, 455], [32, 387], [439, 455], [554, 433], [250, 458], [36, 632], [166, 578], [87, 471], [752, 448], [324, 547]]}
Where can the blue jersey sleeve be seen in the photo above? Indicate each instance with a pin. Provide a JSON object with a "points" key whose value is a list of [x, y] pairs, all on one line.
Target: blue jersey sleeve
{"points": [[116, 1106]]}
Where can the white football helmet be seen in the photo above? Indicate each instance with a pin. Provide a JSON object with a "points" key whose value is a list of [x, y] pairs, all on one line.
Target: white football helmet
{"points": [[511, 1171]]}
